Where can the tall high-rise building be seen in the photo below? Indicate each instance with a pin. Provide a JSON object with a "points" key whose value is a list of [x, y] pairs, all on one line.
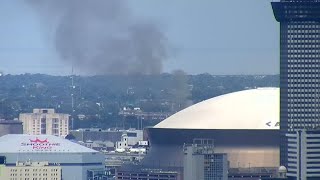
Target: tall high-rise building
{"points": [[299, 67], [45, 121]]}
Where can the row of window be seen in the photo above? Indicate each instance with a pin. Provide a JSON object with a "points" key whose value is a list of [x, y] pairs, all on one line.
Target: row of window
{"points": [[307, 117], [35, 174], [315, 78], [303, 33], [297, 55], [302, 61], [302, 54], [296, 90], [310, 97], [300, 70], [301, 108], [304, 75], [302, 80], [303, 39], [53, 120], [302, 65], [304, 103], [310, 111], [34, 170], [297, 122], [312, 71], [303, 85], [293, 127], [34, 178], [302, 25], [299, 90]]}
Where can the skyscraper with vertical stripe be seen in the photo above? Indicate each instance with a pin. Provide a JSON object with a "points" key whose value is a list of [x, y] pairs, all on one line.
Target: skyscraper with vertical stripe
{"points": [[299, 67]]}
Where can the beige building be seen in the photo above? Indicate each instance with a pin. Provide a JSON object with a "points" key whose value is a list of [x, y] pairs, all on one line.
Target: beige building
{"points": [[45, 121], [30, 171]]}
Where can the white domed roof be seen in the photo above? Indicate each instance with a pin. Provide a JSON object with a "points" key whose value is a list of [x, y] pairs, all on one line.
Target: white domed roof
{"points": [[248, 109], [282, 169]]}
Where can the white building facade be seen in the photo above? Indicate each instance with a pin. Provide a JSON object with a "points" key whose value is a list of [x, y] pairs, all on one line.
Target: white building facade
{"points": [[304, 154], [45, 121], [31, 170], [200, 161]]}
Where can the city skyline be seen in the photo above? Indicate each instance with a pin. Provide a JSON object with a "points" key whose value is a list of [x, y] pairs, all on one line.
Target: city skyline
{"points": [[218, 115]]}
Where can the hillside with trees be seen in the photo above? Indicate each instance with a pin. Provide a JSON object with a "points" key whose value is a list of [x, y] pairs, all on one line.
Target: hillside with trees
{"points": [[100, 98]]}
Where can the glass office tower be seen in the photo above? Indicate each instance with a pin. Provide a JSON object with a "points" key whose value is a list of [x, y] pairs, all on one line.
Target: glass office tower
{"points": [[299, 67]]}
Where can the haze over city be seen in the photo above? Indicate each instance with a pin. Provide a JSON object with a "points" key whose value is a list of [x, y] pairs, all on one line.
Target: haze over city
{"points": [[200, 35]]}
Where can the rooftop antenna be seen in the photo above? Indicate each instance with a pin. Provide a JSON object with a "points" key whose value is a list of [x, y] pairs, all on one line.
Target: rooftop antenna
{"points": [[72, 97]]}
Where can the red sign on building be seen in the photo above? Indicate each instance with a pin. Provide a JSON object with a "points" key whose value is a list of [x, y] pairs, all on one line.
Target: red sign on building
{"points": [[41, 145]]}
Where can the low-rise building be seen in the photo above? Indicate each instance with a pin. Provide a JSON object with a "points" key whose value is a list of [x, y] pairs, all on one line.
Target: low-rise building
{"points": [[85, 135], [148, 174], [75, 161], [29, 170], [201, 162]]}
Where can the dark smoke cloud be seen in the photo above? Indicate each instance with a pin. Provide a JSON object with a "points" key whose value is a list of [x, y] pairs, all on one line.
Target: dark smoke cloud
{"points": [[102, 37]]}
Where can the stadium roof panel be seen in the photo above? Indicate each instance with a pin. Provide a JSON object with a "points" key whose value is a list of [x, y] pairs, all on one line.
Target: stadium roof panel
{"points": [[249, 109], [18, 143]]}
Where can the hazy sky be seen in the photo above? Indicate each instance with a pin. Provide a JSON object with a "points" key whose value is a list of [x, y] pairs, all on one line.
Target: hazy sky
{"points": [[209, 36]]}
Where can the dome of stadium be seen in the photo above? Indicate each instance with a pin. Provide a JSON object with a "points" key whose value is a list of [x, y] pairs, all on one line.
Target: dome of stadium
{"points": [[243, 124], [248, 109]]}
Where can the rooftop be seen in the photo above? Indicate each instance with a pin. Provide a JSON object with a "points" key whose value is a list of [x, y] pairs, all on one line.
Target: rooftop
{"points": [[17, 143], [248, 109], [2, 121]]}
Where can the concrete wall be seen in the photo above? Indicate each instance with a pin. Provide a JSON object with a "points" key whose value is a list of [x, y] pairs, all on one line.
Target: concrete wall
{"points": [[245, 148], [10, 128], [193, 167]]}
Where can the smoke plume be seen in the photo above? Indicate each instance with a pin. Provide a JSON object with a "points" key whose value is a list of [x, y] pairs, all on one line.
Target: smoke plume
{"points": [[181, 90], [103, 37]]}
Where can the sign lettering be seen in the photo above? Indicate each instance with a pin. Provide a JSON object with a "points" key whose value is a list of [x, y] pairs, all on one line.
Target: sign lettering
{"points": [[41, 145]]}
